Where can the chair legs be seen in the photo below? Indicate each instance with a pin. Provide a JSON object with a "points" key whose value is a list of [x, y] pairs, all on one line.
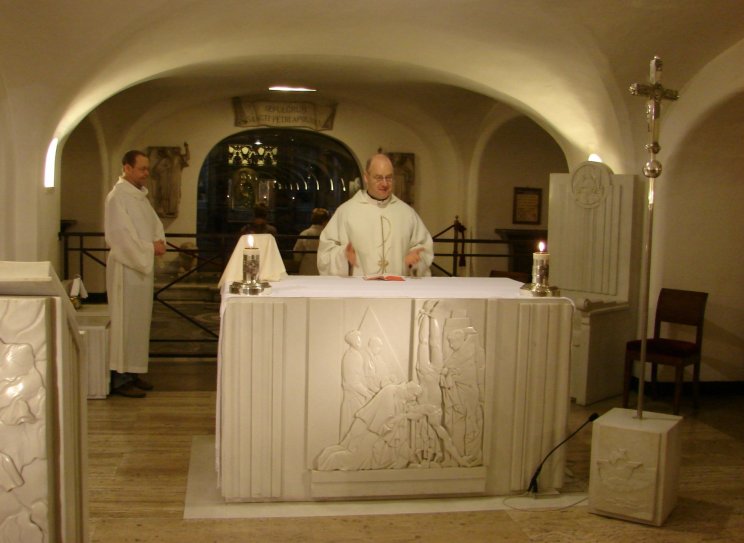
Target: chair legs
{"points": [[678, 382], [696, 383], [627, 374]]}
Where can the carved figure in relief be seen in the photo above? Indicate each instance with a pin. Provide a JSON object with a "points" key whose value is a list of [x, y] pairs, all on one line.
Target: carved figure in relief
{"points": [[167, 164], [429, 355], [22, 438], [462, 392], [356, 393], [377, 371], [378, 437], [621, 474], [20, 527], [386, 434], [21, 386], [10, 477], [588, 185], [433, 421]]}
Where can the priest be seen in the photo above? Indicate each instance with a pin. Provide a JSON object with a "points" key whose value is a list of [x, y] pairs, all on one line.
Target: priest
{"points": [[375, 233], [136, 236]]}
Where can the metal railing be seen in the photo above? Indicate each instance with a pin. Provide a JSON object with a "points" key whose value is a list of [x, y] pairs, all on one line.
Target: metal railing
{"points": [[212, 251]]}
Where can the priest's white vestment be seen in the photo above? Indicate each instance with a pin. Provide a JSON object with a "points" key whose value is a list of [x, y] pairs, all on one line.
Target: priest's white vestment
{"points": [[131, 227], [381, 232]]}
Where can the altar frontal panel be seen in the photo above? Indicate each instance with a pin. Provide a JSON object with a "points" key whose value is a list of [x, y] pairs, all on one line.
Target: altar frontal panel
{"points": [[396, 394]]}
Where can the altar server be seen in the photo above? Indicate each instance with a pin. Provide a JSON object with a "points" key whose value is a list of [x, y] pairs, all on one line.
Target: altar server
{"points": [[136, 236], [375, 233]]}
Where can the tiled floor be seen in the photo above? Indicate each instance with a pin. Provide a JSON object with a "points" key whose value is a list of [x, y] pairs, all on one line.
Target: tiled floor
{"points": [[139, 456]]}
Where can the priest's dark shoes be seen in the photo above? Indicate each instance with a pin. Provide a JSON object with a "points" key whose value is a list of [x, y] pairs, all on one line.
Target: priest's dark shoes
{"points": [[141, 383], [128, 390]]}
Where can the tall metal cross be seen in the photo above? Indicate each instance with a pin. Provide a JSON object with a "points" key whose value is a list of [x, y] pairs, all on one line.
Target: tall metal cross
{"points": [[655, 93]]}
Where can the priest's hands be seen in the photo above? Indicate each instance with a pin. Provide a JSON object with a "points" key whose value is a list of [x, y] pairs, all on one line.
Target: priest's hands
{"points": [[159, 247], [413, 257], [351, 255]]}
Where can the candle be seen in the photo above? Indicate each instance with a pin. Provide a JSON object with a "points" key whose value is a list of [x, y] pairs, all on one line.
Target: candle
{"points": [[540, 265], [251, 261]]}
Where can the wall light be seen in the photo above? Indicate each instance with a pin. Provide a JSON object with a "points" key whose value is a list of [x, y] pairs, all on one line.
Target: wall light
{"points": [[282, 88], [50, 164], [594, 157]]}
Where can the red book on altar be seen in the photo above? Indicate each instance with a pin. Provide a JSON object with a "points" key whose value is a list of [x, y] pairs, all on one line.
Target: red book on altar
{"points": [[383, 278]]}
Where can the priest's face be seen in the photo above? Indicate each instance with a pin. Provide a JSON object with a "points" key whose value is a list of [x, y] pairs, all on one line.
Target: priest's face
{"points": [[138, 173], [379, 177]]}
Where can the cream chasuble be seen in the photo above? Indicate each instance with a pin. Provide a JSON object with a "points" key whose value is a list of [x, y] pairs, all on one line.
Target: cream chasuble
{"points": [[382, 234], [131, 226]]}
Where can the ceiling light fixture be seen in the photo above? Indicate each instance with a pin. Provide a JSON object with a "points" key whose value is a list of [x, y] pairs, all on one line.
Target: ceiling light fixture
{"points": [[282, 88]]}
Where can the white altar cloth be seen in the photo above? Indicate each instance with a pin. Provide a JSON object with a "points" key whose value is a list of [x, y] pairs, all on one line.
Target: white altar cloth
{"points": [[327, 286], [271, 266], [280, 385]]}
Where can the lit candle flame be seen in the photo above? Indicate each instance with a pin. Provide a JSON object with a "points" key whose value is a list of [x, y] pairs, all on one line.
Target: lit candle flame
{"points": [[250, 241], [541, 246]]}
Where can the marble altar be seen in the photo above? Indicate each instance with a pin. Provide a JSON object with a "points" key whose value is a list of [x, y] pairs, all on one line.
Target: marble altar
{"points": [[341, 388]]}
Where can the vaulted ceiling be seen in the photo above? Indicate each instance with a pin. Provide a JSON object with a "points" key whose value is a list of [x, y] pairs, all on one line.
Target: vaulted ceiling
{"points": [[562, 63]]}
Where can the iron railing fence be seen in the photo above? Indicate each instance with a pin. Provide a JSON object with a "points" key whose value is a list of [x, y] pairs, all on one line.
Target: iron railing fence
{"points": [[210, 253]]}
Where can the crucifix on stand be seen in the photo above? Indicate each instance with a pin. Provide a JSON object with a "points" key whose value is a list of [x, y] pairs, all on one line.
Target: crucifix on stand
{"points": [[644, 453], [655, 93]]}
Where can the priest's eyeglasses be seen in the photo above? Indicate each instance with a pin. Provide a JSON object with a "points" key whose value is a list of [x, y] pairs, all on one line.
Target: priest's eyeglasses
{"points": [[380, 178]]}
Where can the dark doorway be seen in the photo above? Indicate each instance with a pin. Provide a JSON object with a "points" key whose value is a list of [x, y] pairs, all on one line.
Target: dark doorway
{"points": [[288, 171]]}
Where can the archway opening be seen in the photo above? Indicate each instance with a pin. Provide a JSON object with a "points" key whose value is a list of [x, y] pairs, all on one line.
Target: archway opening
{"points": [[287, 172]]}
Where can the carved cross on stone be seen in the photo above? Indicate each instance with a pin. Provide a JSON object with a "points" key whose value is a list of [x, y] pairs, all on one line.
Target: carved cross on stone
{"points": [[655, 93]]}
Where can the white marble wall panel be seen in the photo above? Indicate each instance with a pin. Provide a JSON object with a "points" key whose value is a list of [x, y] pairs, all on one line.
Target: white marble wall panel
{"points": [[595, 226], [590, 216]]}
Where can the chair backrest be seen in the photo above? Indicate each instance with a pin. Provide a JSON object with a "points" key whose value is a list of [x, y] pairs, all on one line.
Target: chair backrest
{"points": [[681, 307]]}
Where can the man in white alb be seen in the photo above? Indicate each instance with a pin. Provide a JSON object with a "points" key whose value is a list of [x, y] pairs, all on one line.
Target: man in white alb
{"points": [[375, 233], [136, 236]]}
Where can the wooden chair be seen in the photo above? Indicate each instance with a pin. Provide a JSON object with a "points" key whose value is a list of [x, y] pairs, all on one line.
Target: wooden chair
{"points": [[678, 307]]}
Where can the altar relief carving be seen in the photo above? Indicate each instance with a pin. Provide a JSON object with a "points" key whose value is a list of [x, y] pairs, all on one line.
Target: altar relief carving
{"points": [[23, 470], [590, 184], [431, 419]]}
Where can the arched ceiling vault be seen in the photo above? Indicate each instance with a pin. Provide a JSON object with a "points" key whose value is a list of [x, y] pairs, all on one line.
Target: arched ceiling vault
{"points": [[565, 64]]}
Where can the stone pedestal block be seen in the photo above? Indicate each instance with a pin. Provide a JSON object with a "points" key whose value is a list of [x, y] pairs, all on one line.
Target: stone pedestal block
{"points": [[634, 472], [95, 321]]}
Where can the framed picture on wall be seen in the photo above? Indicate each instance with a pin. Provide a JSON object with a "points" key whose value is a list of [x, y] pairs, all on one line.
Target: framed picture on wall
{"points": [[527, 205]]}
